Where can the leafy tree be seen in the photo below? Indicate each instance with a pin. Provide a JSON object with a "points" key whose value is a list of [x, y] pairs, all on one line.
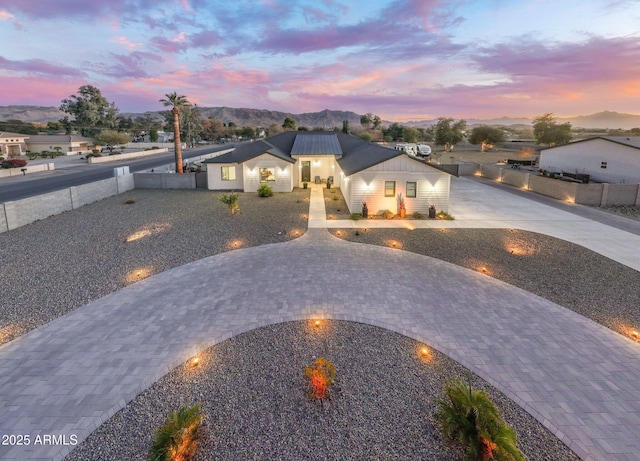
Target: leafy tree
{"points": [[448, 133], [470, 417], [366, 136], [547, 131], [345, 126], [54, 127], [248, 132], [112, 138], [393, 132], [177, 103], [366, 121], [289, 124], [410, 134], [274, 129], [91, 111], [67, 125], [153, 135], [486, 136], [191, 124]]}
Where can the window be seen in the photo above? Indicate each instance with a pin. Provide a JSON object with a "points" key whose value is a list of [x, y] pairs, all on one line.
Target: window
{"points": [[411, 189], [603, 164], [228, 173], [389, 188], [267, 174]]}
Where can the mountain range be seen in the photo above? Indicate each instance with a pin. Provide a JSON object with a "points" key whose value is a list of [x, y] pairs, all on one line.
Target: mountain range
{"points": [[327, 118]]}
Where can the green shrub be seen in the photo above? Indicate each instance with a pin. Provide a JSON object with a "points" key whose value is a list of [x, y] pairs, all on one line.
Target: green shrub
{"points": [[130, 201], [30, 155], [470, 417], [356, 232], [444, 215], [417, 215], [177, 438], [231, 201], [265, 191], [387, 215], [355, 216]]}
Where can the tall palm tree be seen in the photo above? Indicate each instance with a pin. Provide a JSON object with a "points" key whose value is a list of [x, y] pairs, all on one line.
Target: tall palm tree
{"points": [[177, 103]]}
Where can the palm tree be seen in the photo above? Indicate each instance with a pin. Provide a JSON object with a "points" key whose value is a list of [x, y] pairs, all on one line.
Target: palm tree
{"points": [[471, 418], [177, 103]]}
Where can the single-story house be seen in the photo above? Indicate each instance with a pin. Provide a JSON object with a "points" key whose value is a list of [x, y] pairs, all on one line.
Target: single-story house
{"points": [[12, 144], [365, 172], [68, 144], [610, 159]]}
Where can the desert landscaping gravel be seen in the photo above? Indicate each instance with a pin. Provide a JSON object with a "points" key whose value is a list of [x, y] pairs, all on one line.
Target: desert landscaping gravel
{"points": [[56, 265]]}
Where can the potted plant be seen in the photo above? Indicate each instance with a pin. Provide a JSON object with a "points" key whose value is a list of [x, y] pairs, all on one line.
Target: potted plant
{"points": [[432, 212], [402, 210]]}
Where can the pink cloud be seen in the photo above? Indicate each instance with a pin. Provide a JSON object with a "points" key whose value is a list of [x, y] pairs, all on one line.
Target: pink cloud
{"points": [[38, 66], [36, 90]]}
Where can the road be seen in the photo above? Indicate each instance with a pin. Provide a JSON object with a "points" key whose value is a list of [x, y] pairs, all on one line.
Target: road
{"points": [[77, 173]]}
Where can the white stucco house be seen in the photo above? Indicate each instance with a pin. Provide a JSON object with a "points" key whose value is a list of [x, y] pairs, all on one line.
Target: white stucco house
{"points": [[12, 144], [365, 172], [609, 159]]}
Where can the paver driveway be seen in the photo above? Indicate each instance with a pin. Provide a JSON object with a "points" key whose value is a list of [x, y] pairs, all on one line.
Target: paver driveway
{"points": [[580, 379]]}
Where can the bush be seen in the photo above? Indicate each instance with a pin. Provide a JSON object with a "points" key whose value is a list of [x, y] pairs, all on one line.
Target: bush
{"points": [[470, 417], [444, 215], [14, 163], [321, 375], [30, 155], [417, 215], [130, 201], [265, 191], [355, 216], [231, 201], [388, 215], [177, 438]]}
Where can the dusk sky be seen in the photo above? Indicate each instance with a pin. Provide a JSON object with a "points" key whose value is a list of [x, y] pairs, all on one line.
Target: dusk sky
{"points": [[402, 60]]}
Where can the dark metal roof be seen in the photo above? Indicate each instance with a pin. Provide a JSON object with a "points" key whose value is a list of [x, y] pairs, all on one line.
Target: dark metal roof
{"points": [[365, 155], [251, 150], [316, 143]]}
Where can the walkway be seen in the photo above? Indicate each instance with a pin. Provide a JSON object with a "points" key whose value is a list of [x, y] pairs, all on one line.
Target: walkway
{"points": [[580, 379]]}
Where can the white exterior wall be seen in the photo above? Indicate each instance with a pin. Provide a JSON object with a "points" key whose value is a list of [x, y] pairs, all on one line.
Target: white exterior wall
{"points": [[214, 177], [368, 186], [623, 162], [321, 165], [283, 172]]}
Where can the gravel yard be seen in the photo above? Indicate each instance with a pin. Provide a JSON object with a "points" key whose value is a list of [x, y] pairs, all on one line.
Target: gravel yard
{"points": [[58, 264]]}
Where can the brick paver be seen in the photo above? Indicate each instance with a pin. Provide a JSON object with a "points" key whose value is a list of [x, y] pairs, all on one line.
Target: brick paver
{"points": [[577, 377]]}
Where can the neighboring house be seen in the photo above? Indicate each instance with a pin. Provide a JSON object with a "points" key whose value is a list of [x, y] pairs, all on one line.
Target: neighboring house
{"points": [[610, 159], [364, 172], [12, 144], [68, 144]]}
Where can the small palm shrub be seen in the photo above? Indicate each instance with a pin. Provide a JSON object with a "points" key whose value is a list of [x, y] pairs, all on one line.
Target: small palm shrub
{"points": [[265, 190], [444, 215], [417, 215], [130, 201], [470, 417], [321, 375], [177, 438], [231, 201]]}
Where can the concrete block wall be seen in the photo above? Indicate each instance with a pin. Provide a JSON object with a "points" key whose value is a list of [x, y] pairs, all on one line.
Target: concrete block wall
{"points": [[164, 180], [620, 194], [120, 157], [21, 212], [7, 172], [515, 178]]}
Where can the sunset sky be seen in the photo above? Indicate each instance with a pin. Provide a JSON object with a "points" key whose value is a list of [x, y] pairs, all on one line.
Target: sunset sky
{"points": [[402, 60]]}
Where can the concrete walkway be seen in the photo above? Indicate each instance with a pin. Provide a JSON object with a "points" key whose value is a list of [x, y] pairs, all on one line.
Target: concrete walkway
{"points": [[578, 378]]}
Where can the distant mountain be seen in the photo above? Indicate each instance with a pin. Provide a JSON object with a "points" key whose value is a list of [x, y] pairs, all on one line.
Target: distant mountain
{"points": [[326, 118]]}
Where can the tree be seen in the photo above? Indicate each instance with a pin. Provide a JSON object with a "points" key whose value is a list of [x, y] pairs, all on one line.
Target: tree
{"points": [[289, 124], [470, 417], [153, 135], [176, 102], [410, 134], [345, 126], [394, 132], [91, 111], [213, 128], [547, 131], [274, 129], [112, 138], [486, 136], [366, 136], [448, 133]]}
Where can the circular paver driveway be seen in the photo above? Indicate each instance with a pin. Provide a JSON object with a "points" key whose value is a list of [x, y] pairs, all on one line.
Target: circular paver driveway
{"points": [[577, 377]]}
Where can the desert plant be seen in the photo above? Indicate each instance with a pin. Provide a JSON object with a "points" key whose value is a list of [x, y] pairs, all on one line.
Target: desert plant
{"points": [[470, 417], [321, 375], [388, 215], [231, 201], [265, 190], [444, 215], [177, 438], [417, 215], [130, 201], [356, 232], [355, 216]]}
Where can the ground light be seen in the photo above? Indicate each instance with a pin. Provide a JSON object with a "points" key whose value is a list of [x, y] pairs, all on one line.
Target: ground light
{"points": [[138, 274], [425, 354]]}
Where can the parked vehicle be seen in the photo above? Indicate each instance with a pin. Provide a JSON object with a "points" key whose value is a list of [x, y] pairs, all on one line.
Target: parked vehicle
{"points": [[424, 150]]}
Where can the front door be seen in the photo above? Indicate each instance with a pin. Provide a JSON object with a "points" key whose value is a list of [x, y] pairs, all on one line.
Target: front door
{"points": [[306, 171]]}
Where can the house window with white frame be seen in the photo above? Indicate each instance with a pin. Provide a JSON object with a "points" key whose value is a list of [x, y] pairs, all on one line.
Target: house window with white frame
{"points": [[411, 189], [267, 174], [389, 188], [228, 173]]}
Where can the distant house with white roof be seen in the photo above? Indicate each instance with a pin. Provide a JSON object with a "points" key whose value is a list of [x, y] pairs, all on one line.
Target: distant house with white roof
{"points": [[12, 144], [364, 172], [608, 159], [68, 144]]}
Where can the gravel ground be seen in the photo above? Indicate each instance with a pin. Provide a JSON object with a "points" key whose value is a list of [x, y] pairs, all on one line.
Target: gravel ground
{"points": [[58, 264], [628, 211], [55, 265], [253, 391]]}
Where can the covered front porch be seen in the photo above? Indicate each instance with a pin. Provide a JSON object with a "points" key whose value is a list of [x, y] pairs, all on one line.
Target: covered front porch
{"points": [[316, 169]]}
